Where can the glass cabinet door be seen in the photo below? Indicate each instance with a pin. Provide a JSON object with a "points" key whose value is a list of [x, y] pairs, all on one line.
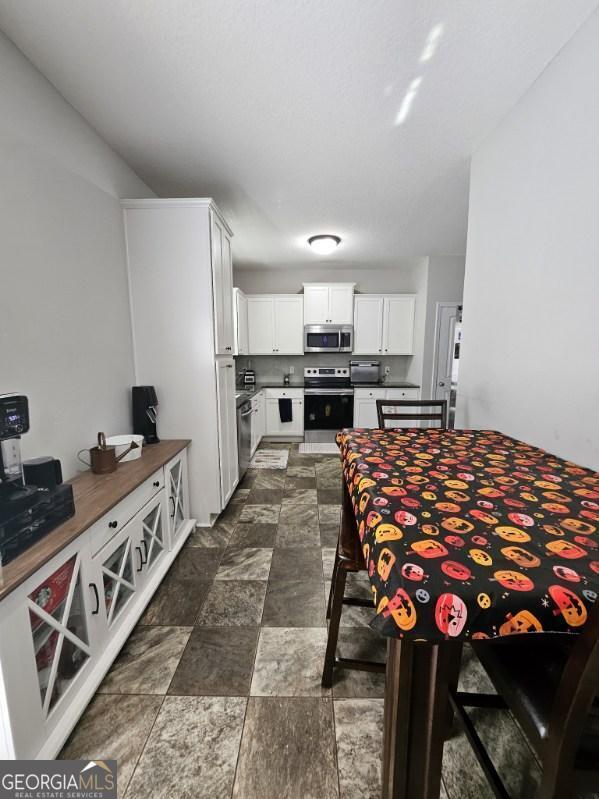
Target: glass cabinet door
{"points": [[59, 630], [118, 583], [176, 482], [153, 533]]}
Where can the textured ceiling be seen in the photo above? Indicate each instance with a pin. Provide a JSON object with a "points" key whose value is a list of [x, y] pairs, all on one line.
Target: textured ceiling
{"points": [[356, 117]]}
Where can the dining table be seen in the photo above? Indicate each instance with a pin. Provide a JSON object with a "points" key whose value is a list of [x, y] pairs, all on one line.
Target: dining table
{"points": [[466, 535]]}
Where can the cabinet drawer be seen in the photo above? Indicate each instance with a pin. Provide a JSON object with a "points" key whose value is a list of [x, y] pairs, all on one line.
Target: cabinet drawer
{"points": [[279, 393], [402, 394], [114, 521], [370, 393]]}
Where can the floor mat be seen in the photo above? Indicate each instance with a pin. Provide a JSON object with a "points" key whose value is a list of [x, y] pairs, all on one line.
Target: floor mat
{"points": [[319, 449], [270, 459]]}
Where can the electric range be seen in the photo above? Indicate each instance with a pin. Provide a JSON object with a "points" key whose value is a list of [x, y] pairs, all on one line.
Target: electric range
{"points": [[328, 402]]}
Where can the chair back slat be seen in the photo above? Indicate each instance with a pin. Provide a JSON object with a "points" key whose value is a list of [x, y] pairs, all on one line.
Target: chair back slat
{"points": [[400, 411]]}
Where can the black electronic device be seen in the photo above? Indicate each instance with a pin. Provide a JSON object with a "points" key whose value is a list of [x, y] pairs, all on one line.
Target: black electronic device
{"points": [[27, 512], [145, 407]]}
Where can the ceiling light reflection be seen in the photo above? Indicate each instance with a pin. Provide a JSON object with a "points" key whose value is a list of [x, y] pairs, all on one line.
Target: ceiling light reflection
{"points": [[406, 103], [432, 42]]}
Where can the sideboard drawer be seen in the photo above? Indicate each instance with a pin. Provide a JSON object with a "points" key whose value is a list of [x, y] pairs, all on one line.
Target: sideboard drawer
{"points": [[109, 525]]}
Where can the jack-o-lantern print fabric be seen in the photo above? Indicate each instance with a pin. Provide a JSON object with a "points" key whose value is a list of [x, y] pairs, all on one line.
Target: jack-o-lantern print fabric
{"points": [[472, 534]]}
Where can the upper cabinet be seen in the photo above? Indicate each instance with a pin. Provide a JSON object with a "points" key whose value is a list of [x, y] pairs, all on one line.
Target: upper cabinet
{"points": [[222, 281], [240, 322], [328, 303], [384, 324], [275, 324]]}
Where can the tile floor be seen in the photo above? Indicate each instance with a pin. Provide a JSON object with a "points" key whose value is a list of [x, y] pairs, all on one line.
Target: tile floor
{"points": [[217, 691]]}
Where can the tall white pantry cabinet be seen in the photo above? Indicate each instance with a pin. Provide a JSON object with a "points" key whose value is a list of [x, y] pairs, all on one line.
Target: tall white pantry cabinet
{"points": [[181, 290]]}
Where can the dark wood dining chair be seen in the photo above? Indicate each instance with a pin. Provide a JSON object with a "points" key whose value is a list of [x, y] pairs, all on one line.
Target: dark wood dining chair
{"points": [[348, 555], [550, 683], [422, 410], [348, 558]]}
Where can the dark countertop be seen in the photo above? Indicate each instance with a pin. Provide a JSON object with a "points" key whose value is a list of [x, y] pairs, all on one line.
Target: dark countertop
{"points": [[249, 391]]}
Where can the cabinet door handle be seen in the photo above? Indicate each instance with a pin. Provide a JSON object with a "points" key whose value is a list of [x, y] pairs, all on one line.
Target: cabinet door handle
{"points": [[229, 366], [156, 483], [141, 560], [228, 348], [113, 525], [94, 587], [145, 546], [172, 499]]}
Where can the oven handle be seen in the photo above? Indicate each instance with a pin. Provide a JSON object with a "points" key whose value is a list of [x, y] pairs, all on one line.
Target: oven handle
{"points": [[339, 392]]}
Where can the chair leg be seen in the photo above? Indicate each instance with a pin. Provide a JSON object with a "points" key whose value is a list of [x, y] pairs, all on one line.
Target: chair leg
{"points": [[338, 590], [333, 579]]}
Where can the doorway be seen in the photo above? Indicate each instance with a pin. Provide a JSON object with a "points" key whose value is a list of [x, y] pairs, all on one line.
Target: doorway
{"points": [[446, 356]]}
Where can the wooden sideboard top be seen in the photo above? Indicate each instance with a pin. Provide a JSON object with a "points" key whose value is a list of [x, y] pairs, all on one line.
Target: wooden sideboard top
{"points": [[94, 495]]}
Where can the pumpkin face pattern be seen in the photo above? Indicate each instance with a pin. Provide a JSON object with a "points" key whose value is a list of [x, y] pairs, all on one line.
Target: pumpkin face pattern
{"points": [[569, 605], [402, 610], [471, 534], [522, 557], [450, 614], [387, 532]]}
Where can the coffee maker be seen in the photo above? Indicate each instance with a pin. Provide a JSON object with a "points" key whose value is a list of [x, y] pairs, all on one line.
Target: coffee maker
{"points": [[27, 512], [145, 407]]}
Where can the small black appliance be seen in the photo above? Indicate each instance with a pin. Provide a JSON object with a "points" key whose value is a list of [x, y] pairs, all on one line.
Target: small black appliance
{"points": [[42, 472], [145, 407], [27, 512]]}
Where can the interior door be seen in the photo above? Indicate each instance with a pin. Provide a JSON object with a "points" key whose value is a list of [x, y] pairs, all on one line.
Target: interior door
{"points": [[316, 305], [261, 333], [398, 334], [368, 325], [341, 305], [289, 329], [447, 320]]}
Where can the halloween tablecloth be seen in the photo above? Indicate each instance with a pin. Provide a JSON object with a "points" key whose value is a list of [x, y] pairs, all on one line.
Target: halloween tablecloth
{"points": [[472, 534]]}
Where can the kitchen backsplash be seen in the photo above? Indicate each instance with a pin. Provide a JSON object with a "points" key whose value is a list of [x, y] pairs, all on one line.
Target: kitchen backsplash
{"points": [[275, 367]]}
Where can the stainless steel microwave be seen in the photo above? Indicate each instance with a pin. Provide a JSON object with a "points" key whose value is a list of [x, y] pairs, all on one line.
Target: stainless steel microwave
{"points": [[328, 338]]}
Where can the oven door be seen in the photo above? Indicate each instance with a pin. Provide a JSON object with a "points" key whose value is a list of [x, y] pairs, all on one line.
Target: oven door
{"points": [[321, 338], [330, 409]]}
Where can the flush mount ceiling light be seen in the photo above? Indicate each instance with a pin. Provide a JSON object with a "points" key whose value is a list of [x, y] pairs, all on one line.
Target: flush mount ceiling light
{"points": [[324, 244]]}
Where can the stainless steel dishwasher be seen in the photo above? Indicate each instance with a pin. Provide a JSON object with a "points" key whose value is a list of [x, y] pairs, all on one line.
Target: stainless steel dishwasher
{"points": [[244, 434]]}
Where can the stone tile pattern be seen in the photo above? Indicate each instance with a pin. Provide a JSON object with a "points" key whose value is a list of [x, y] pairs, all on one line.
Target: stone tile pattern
{"points": [[217, 691]]}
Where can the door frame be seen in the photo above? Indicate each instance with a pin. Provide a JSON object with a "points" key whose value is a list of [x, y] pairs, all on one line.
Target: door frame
{"points": [[435, 371]]}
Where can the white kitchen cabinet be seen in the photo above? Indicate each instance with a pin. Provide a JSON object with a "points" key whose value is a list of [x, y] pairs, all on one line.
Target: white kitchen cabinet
{"points": [[365, 413], [275, 324], [328, 303], [258, 421], [368, 324], [273, 424], [222, 277], [365, 406], [179, 262], [177, 496], [62, 627], [398, 325], [240, 323], [384, 324], [227, 427]]}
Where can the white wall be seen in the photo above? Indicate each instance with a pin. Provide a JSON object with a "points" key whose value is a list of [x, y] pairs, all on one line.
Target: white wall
{"points": [[530, 354], [65, 336]]}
